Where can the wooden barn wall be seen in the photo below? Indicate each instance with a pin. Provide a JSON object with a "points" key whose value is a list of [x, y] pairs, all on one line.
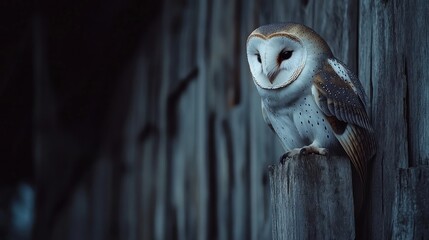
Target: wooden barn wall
{"points": [[393, 52], [175, 147]]}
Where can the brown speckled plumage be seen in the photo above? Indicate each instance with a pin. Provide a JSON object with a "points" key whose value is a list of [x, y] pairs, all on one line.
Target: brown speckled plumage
{"points": [[345, 111]]}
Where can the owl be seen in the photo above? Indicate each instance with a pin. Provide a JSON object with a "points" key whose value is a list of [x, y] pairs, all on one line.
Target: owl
{"points": [[311, 100]]}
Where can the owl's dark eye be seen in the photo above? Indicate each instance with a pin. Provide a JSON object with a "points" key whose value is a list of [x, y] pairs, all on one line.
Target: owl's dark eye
{"points": [[284, 55], [259, 57]]}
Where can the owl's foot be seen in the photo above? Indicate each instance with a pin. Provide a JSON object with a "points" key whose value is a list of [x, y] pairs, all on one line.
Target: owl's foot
{"points": [[291, 153], [284, 157], [313, 150], [303, 151]]}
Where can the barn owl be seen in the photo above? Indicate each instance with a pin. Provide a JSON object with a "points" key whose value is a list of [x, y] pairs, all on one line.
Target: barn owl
{"points": [[311, 100]]}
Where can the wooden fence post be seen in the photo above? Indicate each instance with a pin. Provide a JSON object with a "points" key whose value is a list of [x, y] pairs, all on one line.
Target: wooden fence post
{"points": [[312, 198]]}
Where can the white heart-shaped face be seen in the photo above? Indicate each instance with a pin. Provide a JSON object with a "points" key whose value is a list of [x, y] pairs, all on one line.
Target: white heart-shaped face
{"points": [[275, 62]]}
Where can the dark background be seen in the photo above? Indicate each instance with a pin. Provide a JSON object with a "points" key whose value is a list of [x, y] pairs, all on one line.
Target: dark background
{"points": [[139, 119]]}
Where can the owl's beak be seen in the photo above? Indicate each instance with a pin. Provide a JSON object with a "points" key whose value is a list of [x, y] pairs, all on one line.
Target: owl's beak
{"points": [[272, 75]]}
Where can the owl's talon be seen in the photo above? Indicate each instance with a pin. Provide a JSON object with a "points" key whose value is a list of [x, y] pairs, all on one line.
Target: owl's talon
{"points": [[304, 151], [284, 158], [324, 152]]}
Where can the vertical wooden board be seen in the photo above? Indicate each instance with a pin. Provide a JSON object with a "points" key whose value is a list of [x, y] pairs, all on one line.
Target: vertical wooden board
{"points": [[364, 46], [222, 117], [134, 122], [140, 135], [416, 35], [387, 88], [180, 118], [284, 11], [223, 163], [289, 11], [337, 24], [411, 213], [365, 60], [160, 218], [241, 176], [146, 110], [181, 121], [147, 187], [201, 116]]}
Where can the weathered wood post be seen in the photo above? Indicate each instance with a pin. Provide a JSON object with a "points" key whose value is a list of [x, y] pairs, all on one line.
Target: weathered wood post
{"points": [[312, 198]]}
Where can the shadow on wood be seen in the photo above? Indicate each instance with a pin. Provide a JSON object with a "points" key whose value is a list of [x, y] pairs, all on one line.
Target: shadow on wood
{"points": [[312, 198]]}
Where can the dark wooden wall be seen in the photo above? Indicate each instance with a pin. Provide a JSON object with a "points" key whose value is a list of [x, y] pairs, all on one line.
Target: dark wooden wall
{"points": [[393, 52], [147, 125]]}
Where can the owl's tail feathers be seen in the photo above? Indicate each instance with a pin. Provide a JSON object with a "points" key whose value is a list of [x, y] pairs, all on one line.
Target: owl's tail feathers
{"points": [[361, 179], [359, 145], [362, 201]]}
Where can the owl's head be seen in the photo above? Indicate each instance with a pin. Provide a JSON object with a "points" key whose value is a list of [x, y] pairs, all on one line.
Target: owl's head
{"points": [[277, 53]]}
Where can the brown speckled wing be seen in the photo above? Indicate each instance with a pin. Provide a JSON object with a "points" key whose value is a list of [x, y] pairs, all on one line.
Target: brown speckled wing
{"points": [[344, 107]]}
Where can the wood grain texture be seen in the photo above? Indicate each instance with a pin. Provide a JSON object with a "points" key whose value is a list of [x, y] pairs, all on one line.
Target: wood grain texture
{"points": [[388, 41], [411, 211], [311, 198], [414, 29]]}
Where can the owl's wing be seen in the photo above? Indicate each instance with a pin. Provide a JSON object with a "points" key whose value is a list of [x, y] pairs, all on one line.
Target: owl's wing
{"points": [[341, 98]]}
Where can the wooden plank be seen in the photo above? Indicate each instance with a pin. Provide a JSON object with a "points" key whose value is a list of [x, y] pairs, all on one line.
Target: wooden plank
{"points": [[415, 35], [311, 198], [411, 211], [336, 23], [381, 68]]}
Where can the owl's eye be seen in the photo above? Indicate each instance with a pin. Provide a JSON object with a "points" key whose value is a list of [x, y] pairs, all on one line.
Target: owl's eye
{"points": [[284, 55], [259, 57]]}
